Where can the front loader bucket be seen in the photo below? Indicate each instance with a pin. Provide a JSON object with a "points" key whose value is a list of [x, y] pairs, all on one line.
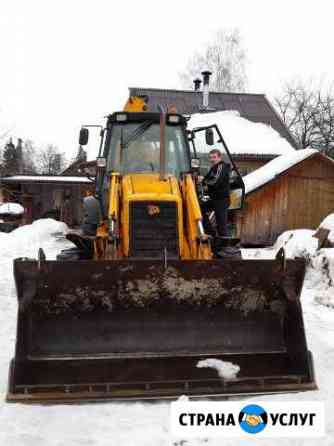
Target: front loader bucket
{"points": [[122, 329]]}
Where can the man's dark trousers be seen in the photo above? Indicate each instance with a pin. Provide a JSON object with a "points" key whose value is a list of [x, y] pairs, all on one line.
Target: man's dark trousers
{"points": [[220, 208]]}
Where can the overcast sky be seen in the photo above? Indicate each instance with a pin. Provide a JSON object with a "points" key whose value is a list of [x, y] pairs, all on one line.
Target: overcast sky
{"points": [[64, 63]]}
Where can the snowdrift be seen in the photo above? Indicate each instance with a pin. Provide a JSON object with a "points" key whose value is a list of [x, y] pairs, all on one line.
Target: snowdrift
{"points": [[303, 243], [25, 240], [328, 223]]}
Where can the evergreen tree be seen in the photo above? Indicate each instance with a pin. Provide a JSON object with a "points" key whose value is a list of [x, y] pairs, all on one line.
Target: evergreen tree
{"points": [[81, 155], [11, 159]]}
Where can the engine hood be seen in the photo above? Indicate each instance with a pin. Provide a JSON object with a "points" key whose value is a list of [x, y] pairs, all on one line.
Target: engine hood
{"points": [[149, 186]]}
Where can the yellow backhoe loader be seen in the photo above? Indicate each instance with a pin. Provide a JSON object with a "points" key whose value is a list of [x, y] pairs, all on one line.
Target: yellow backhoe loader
{"points": [[129, 313]]}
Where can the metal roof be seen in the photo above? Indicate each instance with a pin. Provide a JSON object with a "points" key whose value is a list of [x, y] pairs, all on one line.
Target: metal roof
{"points": [[254, 107]]}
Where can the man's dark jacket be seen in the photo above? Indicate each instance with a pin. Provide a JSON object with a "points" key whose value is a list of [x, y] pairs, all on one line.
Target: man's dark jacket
{"points": [[218, 182]]}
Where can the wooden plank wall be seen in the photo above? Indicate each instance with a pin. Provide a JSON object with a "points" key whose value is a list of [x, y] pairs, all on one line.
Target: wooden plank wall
{"points": [[311, 193], [43, 198], [300, 198], [264, 214]]}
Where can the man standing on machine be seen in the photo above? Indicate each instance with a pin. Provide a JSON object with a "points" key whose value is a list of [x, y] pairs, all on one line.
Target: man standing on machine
{"points": [[217, 184]]}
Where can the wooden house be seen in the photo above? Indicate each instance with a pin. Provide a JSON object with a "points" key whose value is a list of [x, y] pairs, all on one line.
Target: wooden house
{"points": [[293, 191], [43, 196]]}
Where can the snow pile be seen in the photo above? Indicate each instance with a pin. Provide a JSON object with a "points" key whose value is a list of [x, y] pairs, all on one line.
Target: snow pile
{"points": [[325, 298], [25, 240], [320, 262], [241, 135], [320, 274], [225, 369], [328, 223], [269, 171], [40, 230], [11, 209], [297, 243], [302, 242]]}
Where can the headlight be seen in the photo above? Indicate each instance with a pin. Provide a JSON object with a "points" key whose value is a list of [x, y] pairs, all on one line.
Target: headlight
{"points": [[195, 163], [173, 119], [121, 117], [101, 162]]}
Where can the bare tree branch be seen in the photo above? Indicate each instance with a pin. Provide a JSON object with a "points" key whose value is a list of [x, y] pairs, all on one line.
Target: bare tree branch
{"points": [[51, 161], [225, 57], [308, 112]]}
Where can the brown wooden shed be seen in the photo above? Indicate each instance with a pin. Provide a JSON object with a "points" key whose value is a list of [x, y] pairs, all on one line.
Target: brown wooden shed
{"points": [[42, 196], [293, 191]]}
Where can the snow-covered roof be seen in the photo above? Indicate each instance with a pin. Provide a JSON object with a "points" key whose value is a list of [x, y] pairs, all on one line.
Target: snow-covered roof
{"points": [[11, 208], [241, 135], [271, 170], [45, 179], [254, 107]]}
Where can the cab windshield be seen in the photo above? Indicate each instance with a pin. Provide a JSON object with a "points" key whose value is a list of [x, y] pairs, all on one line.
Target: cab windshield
{"points": [[135, 148]]}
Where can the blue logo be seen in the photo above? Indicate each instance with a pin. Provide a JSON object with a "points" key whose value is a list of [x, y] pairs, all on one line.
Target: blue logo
{"points": [[253, 419]]}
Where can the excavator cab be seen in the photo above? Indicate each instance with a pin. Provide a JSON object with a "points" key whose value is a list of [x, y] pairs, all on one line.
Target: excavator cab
{"points": [[133, 145], [135, 319]]}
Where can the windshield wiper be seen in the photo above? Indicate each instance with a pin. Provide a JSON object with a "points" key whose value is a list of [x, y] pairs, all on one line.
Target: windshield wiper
{"points": [[138, 131]]}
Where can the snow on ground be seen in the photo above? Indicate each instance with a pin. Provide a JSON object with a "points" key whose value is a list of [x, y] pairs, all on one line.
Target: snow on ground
{"points": [[240, 134], [270, 170], [147, 424]]}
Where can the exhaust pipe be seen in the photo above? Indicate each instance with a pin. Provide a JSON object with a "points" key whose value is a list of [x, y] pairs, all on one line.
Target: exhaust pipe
{"points": [[197, 84], [206, 80], [163, 167]]}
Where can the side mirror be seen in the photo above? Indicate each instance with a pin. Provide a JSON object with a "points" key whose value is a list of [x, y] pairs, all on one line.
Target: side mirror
{"points": [[83, 136], [209, 137]]}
